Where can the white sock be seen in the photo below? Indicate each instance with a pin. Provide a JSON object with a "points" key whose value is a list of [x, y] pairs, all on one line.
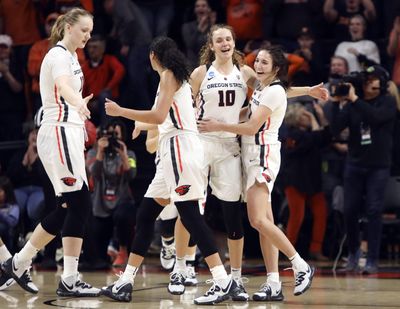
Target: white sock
{"points": [[236, 273], [180, 265], [129, 273], [190, 258], [26, 254], [4, 254], [70, 266], [219, 272], [298, 263], [273, 281]]}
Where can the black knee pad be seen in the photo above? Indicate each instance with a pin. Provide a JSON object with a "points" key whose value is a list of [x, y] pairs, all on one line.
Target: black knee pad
{"points": [[192, 242], [79, 204], [147, 214], [54, 221], [167, 228], [233, 219], [194, 222]]}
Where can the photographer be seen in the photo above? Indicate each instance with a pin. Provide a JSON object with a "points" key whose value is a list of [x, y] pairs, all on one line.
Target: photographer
{"points": [[369, 115], [112, 167]]}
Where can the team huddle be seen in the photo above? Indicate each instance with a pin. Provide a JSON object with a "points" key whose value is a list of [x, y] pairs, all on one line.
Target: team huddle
{"points": [[197, 145]]}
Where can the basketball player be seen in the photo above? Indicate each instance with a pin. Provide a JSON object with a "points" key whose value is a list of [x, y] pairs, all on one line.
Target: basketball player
{"points": [[261, 160], [179, 176], [60, 145]]}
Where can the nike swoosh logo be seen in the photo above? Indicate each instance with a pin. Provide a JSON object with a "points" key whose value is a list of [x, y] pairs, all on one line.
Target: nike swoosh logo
{"points": [[227, 288], [15, 269], [252, 160], [235, 155], [119, 287], [8, 283], [69, 287], [210, 78]]}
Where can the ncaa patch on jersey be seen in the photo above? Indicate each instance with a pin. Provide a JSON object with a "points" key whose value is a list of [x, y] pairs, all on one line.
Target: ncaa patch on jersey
{"points": [[69, 181], [182, 190]]}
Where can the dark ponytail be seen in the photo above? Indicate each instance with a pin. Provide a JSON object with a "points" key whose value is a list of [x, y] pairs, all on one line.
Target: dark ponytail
{"points": [[170, 57]]}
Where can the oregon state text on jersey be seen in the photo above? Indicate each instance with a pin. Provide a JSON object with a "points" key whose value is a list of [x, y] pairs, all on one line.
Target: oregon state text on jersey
{"points": [[222, 97]]}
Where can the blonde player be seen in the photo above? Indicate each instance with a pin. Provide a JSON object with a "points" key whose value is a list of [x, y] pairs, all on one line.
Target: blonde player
{"points": [[60, 146]]}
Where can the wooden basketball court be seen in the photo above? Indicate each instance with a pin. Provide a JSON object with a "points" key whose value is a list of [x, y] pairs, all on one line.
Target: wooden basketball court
{"points": [[328, 290]]}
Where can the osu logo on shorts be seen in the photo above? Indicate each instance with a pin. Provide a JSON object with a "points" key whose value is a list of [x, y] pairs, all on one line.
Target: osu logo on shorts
{"points": [[69, 181], [182, 190]]}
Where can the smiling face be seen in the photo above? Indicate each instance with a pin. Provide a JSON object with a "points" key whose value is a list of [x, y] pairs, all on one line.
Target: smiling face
{"points": [[357, 28], [263, 65], [223, 44], [79, 32], [201, 8]]}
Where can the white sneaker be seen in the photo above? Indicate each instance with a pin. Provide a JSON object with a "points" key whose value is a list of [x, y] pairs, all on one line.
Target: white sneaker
{"points": [[20, 274], [167, 256], [303, 280], [217, 293], [5, 280], [176, 284], [120, 290], [191, 279], [74, 286], [240, 293], [267, 293]]}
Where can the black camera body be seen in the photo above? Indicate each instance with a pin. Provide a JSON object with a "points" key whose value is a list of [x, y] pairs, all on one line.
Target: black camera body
{"points": [[341, 88], [113, 144]]}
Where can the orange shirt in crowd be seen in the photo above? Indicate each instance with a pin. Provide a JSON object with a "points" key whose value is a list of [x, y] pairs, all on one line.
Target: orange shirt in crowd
{"points": [[20, 21], [108, 74], [245, 17], [35, 58]]}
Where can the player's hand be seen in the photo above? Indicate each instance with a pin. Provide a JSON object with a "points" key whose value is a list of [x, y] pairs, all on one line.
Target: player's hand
{"points": [[83, 110], [112, 108], [319, 92], [208, 125], [135, 133]]}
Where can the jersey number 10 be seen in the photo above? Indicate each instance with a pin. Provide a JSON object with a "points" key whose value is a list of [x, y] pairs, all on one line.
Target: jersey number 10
{"points": [[226, 98]]}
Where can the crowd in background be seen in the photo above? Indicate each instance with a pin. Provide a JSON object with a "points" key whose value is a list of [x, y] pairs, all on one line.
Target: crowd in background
{"points": [[324, 41]]}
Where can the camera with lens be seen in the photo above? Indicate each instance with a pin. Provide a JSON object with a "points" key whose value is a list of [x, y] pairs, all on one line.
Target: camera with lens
{"points": [[341, 87], [113, 144]]}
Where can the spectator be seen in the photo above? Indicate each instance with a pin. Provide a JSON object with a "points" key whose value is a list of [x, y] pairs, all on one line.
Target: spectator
{"points": [[370, 120], [19, 19], [25, 171], [103, 74], [158, 13], [112, 166], [245, 17], [301, 173], [12, 107], [395, 170], [134, 34], [359, 52], [35, 58], [393, 49], [311, 70], [339, 13], [9, 212], [194, 33], [287, 18]]}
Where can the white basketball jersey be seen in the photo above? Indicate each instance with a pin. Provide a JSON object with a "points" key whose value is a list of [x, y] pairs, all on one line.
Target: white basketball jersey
{"points": [[181, 114], [222, 97], [58, 62], [273, 97]]}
